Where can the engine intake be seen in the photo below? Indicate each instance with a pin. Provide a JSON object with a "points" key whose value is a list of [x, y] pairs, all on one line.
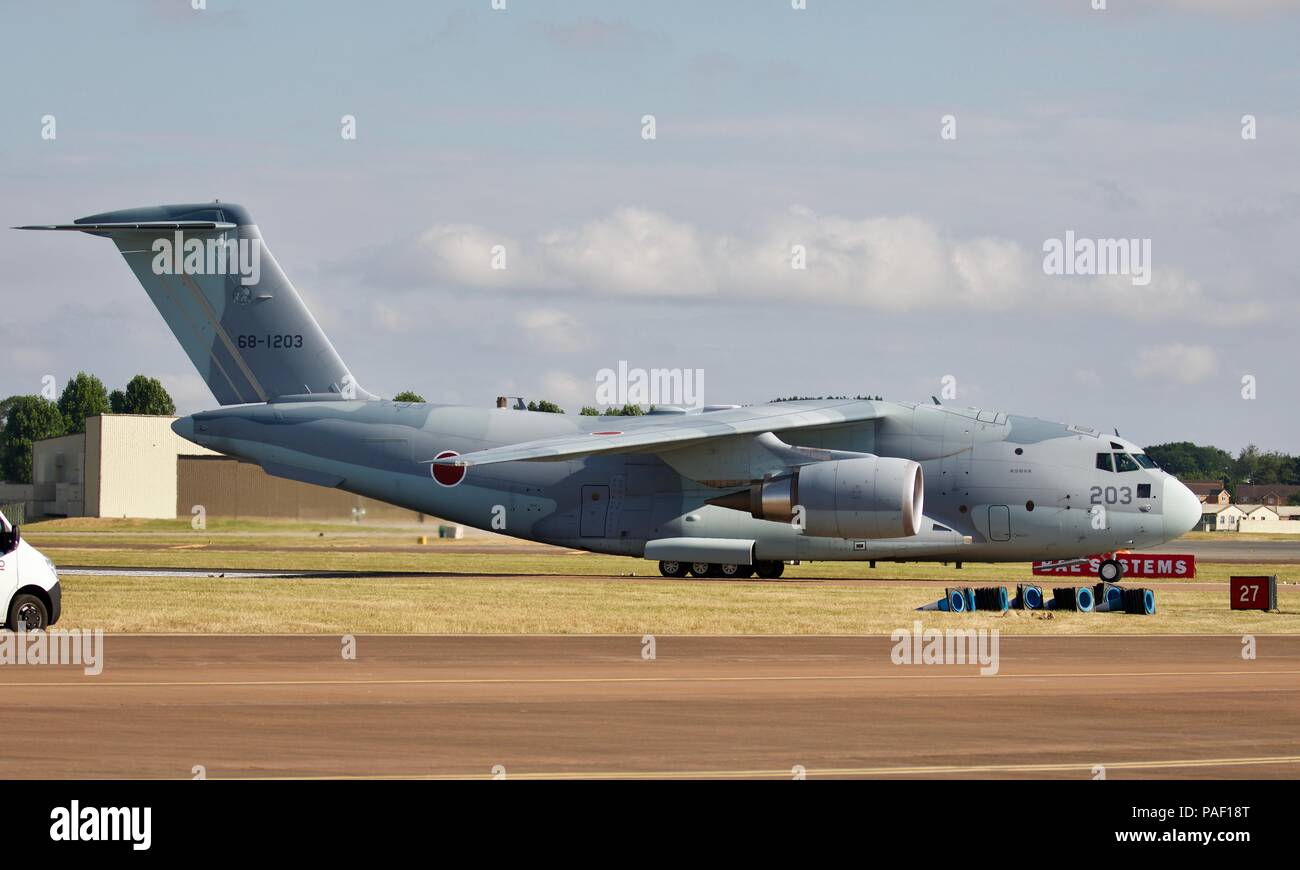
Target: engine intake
{"points": [[864, 497]]}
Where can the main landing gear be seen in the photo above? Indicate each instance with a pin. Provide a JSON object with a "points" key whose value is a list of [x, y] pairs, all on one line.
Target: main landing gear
{"points": [[765, 569]]}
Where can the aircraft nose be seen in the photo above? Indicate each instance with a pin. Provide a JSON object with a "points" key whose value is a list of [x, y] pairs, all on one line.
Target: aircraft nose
{"points": [[1182, 509], [184, 427]]}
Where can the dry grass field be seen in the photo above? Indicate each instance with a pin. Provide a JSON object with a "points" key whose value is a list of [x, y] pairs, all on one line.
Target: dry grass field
{"points": [[491, 585]]}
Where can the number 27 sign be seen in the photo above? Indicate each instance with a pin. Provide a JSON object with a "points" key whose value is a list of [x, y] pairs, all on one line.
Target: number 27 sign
{"points": [[1253, 593]]}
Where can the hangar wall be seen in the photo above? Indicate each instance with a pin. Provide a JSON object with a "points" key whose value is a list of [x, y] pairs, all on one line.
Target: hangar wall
{"points": [[130, 466], [232, 489]]}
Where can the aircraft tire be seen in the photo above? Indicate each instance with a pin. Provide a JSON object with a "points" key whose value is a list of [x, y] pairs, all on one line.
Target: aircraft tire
{"points": [[1110, 571], [701, 569], [732, 571], [769, 570], [672, 569]]}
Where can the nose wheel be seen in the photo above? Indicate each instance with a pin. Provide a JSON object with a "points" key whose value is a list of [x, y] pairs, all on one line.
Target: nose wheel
{"points": [[1110, 571]]}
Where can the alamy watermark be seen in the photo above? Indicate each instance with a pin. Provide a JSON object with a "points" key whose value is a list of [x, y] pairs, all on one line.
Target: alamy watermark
{"points": [[1078, 256], [930, 646], [636, 386], [55, 646], [215, 256]]}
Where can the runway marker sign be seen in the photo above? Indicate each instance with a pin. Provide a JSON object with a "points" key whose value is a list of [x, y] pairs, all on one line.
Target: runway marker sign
{"points": [[1253, 593]]}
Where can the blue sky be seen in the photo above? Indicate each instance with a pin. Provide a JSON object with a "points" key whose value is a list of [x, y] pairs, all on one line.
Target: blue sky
{"points": [[818, 126]]}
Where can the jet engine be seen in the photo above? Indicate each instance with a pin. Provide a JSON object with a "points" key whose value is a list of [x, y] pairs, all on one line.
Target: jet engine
{"points": [[863, 497]]}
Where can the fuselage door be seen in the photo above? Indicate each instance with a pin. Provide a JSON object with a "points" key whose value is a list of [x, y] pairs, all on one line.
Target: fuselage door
{"points": [[595, 510], [999, 522]]}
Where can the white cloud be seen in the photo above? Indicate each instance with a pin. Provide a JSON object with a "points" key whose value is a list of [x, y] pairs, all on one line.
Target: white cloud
{"points": [[896, 264], [1183, 363], [550, 330], [892, 263], [567, 391]]}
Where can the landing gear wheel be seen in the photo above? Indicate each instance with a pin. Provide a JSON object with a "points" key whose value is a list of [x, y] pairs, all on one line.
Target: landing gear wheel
{"points": [[27, 613], [672, 569], [1110, 571], [700, 569], [769, 570], [733, 572]]}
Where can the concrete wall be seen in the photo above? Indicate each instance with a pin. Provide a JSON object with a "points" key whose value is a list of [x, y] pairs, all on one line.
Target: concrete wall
{"points": [[231, 489], [1269, 527]]}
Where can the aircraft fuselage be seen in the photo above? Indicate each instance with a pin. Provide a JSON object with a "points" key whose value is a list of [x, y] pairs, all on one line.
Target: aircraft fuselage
{"points": [[997, 487]]}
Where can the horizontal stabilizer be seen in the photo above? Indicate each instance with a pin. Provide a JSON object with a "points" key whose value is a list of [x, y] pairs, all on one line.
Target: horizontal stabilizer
{"points": [[155, 226]]}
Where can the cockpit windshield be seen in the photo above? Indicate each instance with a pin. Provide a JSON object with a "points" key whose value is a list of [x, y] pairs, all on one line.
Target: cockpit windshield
{"points": [[1120, 462]]}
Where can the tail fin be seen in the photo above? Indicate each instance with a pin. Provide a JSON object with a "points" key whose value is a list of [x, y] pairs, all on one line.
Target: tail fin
{"points": [[225, 298]]}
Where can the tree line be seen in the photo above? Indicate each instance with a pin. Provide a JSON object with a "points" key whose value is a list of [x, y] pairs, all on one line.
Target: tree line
{"points": [[27, 419], [547, 407], [1202, 462]]}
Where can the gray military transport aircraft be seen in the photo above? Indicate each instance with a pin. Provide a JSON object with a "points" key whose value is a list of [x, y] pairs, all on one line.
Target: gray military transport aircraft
{"points": [[731, 492]]}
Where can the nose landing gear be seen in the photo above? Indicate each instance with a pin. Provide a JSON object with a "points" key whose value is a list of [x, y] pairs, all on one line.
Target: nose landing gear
{"points": [[1110, 571]]}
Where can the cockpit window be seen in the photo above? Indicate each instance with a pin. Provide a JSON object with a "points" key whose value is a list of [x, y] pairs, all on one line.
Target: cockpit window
{"points": [[1144, 460], [1103, 462], [1124, 462]]}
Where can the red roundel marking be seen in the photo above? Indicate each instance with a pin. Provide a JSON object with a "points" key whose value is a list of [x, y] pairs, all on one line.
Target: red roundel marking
{"points": [[606, 433], [447, 475]]}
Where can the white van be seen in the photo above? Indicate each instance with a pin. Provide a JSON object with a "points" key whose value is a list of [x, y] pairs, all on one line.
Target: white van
{"points": [[29, 583]]}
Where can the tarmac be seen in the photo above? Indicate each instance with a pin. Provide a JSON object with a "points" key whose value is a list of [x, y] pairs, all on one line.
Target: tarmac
{"points": [[514, 707]]}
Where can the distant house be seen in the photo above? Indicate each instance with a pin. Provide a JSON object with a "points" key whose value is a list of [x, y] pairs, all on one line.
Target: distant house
{"points": [[1259, 518], [1221, 518], [1209, 491], [1271, 494]]}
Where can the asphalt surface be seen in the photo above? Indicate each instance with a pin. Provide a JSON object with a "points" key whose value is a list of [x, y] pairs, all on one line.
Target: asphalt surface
{"points": [[464, 706], [1237, 549]]}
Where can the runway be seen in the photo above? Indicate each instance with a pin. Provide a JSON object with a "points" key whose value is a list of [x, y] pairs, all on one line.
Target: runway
{"points": [[566, 706], [1238, 549]]}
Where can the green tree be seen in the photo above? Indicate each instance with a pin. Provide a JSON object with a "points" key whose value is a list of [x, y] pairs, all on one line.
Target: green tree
{"points": [[4, 409], [30, 418], [1193, 461], [409, 396], [142, 396], [625, 411], [84, 396], [545, 407], [588, 411]]}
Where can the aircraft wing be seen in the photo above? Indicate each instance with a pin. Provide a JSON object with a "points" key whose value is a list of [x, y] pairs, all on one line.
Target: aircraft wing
{"points": [[653, 435]]}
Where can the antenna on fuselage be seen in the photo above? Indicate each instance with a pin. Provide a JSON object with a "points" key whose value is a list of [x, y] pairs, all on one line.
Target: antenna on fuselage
{"points": [[935, 399]]}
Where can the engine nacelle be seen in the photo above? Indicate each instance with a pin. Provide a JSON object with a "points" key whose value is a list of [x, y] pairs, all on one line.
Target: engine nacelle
{"points": [[864, 497]]}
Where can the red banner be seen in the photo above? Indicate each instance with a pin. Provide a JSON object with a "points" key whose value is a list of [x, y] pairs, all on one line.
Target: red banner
{"points": [[1134, 564]]}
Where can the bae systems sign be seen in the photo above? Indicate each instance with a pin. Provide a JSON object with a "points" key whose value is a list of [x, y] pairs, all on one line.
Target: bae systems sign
{"points": [[1134, 564]]}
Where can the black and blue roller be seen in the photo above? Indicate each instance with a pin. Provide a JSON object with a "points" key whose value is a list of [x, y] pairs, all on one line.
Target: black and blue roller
{"points": [[992, 598], [1028, 597], [953, 601], [1141, 602]]}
